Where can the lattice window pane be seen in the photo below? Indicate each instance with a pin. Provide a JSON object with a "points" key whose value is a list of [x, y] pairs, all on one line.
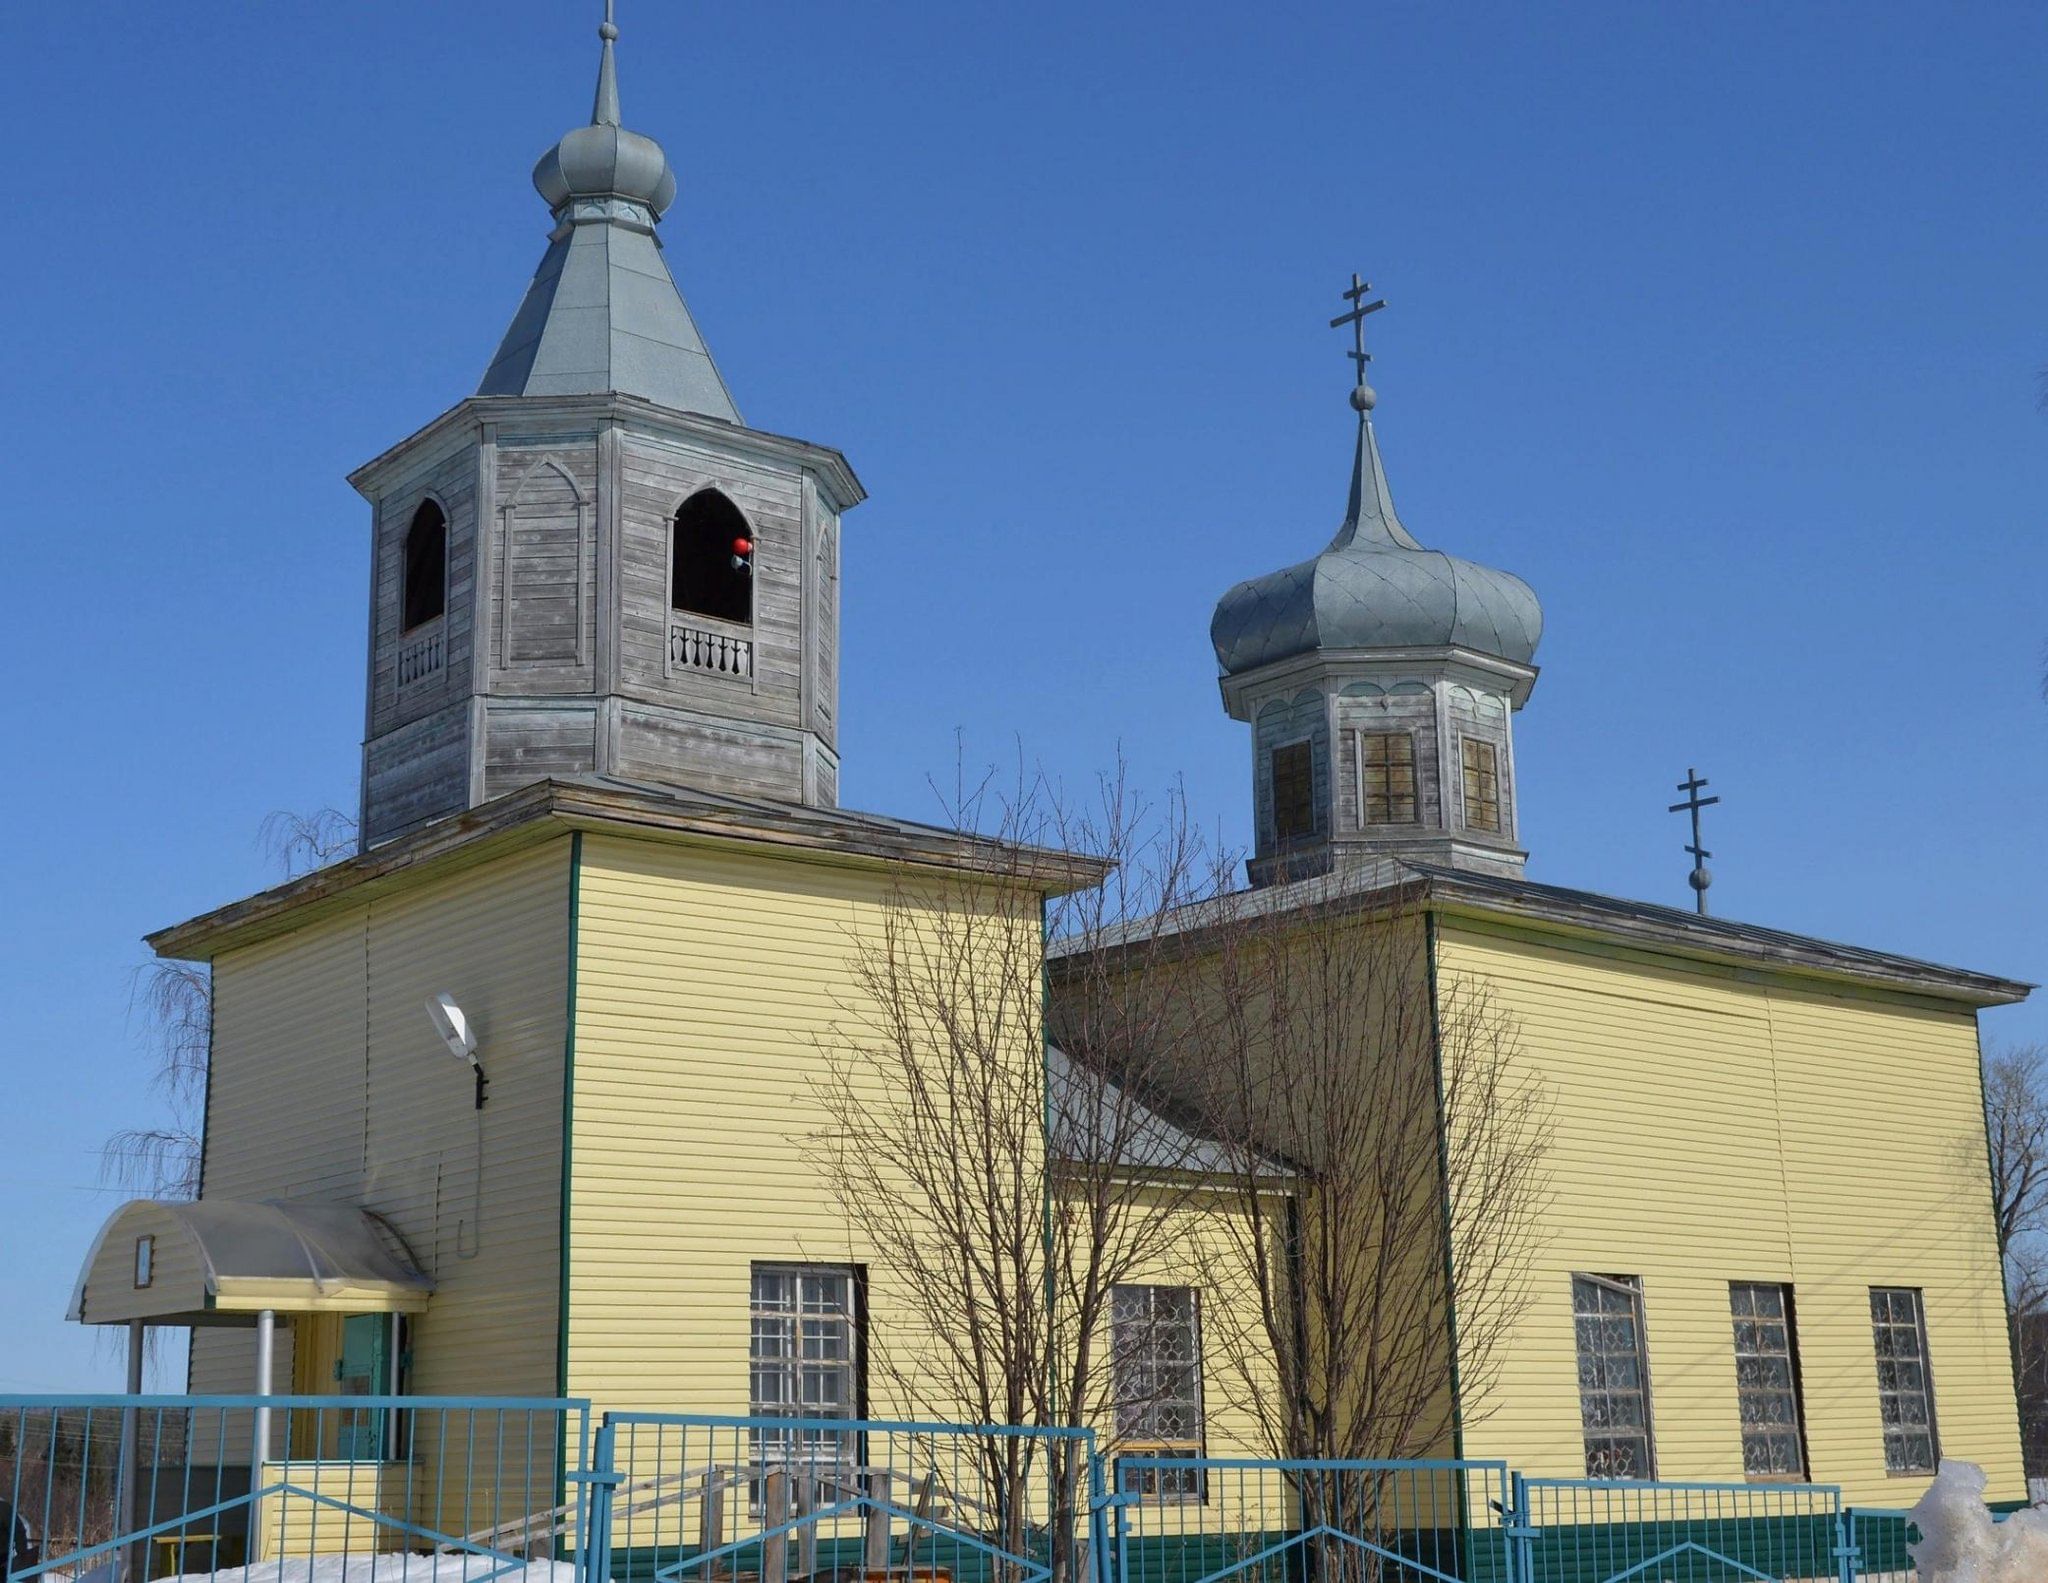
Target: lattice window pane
{"points": [[1614, 1403], [1905, 1393], [1766, 1380], [1294, 792], [1156, 1374]]}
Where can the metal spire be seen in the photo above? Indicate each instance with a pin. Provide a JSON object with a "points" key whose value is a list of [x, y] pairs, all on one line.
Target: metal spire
{"points": [[605, 112], [1699, 879], [1370, 512]]}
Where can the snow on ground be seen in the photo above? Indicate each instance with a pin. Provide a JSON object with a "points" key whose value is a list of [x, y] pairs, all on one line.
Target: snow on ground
{"points": [[1960, 1541], [384, 1568]]}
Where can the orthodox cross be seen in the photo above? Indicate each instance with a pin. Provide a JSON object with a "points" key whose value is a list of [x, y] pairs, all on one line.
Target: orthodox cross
{"points": [[1699, 879], [1360, 289]]}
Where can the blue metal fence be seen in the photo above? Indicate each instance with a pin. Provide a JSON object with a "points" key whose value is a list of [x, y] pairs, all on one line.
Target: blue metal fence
{"points": [[139, 1487], [1615, 1530], [116, 1489]]}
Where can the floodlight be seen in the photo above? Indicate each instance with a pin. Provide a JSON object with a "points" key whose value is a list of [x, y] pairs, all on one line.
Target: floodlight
{"points": [[453, 1027]]}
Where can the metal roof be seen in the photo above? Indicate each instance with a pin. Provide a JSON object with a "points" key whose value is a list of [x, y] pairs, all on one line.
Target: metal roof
{"points": [[603, 312], [1397, 882], [1375, 586], [221, 1261]]}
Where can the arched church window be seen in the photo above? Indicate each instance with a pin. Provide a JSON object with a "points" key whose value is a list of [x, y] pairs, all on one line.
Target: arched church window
{"points": [[711, 559], [423, 589]]}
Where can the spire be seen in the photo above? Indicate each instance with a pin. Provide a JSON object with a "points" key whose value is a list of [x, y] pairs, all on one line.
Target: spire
{"points": [[1370, 513], [605, 112], [603, 313]]}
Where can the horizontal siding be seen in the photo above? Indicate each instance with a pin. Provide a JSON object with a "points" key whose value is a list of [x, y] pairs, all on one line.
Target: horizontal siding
{"points": [[706, 984], [1712, 1128], [329, 1082]]}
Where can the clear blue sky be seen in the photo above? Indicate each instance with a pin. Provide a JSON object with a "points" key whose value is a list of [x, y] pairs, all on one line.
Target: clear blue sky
{"points": [[1720, 324]]}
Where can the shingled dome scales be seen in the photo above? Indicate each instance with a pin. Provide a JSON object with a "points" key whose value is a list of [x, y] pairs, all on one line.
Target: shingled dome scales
{"points": [[603, 313], [1375, 586]]}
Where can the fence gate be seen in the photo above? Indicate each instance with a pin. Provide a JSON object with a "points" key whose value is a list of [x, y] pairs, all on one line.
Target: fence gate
{"points": [[686, 1498], [1616, 1530], [127, 1488], [1207, 1519]]}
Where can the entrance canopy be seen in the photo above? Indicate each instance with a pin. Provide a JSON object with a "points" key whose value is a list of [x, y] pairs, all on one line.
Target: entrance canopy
{"points": [[222, 1262]]}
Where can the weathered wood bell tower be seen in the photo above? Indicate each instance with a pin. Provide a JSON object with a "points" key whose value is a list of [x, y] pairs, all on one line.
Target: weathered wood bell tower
{"points": [[592, 565]]}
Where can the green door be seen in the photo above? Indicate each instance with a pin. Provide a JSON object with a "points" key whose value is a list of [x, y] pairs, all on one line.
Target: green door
{"points": [[364, 1370]]}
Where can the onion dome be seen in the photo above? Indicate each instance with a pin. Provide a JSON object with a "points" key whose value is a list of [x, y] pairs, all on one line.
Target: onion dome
{"points": [[603, 159], [1375, 587]]}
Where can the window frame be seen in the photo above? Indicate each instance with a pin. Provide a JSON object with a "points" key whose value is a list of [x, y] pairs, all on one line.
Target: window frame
{"points": [[1307, 745], [1918, 1327], [1632, 1286], [1786, 1320], [1467, 742], [850, 1449], [1363, 763], [1194, 1487], [406, 581]]}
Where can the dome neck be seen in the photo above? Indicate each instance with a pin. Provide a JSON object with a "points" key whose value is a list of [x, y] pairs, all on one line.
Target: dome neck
{"points": [[1369, 517]]}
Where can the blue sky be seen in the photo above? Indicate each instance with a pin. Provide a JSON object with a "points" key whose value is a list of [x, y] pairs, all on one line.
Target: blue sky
{"points": [[1721, 325]]}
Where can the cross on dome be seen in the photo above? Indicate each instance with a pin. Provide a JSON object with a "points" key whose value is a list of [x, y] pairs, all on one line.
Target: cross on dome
{"points": [[1362, 396]]}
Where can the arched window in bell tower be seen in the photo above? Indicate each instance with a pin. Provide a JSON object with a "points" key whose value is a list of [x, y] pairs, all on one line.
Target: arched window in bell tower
{"points": [[423, 586], [711, 559]]}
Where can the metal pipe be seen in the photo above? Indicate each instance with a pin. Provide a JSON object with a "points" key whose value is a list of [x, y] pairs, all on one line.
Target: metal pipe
{"points": [[130, 1475], [266, 1351]]}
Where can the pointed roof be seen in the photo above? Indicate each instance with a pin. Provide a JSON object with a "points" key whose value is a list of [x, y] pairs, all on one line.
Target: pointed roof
{"points": [[1375, 586], [603, 312]]}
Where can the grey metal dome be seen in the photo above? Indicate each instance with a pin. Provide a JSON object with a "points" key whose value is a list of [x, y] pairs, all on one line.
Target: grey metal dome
{"points": [[1375, 587]]}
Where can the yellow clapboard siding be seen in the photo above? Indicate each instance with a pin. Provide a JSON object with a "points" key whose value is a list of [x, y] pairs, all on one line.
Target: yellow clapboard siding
{"points": [[329, 1081], [1715, 1127]]}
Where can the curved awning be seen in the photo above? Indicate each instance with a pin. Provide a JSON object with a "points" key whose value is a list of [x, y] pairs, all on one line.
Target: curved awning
{"points": [[222, 1261]]}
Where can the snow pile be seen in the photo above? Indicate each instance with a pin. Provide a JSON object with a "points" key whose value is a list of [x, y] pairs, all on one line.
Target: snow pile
{"points": [[1961, 1542], [386, 1568]]}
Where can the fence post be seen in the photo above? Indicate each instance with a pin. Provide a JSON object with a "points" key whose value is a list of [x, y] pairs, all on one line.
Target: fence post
{"points": [[1848, 1554], [1108, 1568], [774, 1513], [875, 1534], [1521, 1532], [594, 1564]]}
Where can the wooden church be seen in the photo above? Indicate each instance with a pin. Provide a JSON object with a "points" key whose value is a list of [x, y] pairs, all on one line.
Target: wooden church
{"points": [[601, 830]]}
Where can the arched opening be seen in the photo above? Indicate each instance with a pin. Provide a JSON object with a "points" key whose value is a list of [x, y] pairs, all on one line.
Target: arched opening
{"points": [[711, 559], [423, 590]]}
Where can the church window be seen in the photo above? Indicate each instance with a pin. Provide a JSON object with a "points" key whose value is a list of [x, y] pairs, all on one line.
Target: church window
{"points": [[423, 584], [803, 1359], [1905, 1393], [1767, 1380], [1387, 773], [1294, 793], [1155, 1356], [1481, 764], [1614, 1376], [711, 559]]}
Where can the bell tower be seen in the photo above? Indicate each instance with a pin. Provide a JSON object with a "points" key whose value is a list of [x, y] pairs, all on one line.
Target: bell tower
{"points": [[1380, 680], [593, 566]]}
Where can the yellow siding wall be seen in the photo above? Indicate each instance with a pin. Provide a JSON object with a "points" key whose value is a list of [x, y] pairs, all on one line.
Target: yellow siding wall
{"points": [[328, 1081], [705, 981], [1714, 1127]]}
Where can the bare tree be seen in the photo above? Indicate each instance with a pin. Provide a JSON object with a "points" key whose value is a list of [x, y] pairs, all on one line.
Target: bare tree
{"points": [[2016, 1129], [1376, 1121], [175, 1002], [1006, 1189]]}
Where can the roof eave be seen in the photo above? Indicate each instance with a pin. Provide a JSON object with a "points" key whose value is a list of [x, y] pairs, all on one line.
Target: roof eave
{"points": [[545, 808], [834, 473]]}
